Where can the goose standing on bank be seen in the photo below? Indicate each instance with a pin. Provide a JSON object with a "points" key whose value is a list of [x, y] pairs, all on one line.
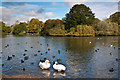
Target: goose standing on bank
{"points": [[59, 67], [45, 65]]}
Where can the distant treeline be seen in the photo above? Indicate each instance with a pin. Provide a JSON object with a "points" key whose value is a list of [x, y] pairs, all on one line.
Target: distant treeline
{"points": [[80, 21]]}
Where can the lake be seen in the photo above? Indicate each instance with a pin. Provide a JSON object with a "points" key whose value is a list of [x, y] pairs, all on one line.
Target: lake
{"points": [[84, 57]]}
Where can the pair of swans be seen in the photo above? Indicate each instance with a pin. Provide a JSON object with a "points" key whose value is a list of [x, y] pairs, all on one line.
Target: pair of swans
{"points": [[56, 66]]}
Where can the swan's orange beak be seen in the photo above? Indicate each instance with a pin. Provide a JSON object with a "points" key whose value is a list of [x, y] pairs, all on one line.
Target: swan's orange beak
{"points": [[57, 63]]}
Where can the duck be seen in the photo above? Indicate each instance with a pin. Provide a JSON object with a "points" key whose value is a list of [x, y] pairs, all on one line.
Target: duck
{"points": [[59, 67], [111, 45], [45, 65], [110, 53]]}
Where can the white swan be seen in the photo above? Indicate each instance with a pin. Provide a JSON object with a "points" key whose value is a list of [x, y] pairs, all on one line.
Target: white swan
{"points": [[45, 65], [59, 67]]}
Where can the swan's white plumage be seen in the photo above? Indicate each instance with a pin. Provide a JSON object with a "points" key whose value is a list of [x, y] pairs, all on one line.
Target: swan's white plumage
{"points": [[44, 65], [59, 67]]}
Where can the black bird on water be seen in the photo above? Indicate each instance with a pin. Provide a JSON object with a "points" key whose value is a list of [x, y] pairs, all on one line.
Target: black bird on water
{"points": [[24, 54], [58, 51], [117, 59], [41, 54], [9, 58], [23, 69], [95, 50], [111, 70], [13, 55], [2, 65], [26, 57], [7, 46], [48, 49], [25, 50], [22, 61], [46, 52], [35, 54], [38, 50]]}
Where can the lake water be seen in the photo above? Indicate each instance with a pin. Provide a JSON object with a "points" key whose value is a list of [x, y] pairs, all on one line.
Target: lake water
{"points": [[84, 57]]}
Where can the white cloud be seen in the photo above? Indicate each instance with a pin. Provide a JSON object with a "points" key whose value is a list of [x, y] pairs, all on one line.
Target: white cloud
{"points": [[49, 14], [11, 14], [7, 15], [32, 13], [22, 13], [103, 11], [29, 15]]}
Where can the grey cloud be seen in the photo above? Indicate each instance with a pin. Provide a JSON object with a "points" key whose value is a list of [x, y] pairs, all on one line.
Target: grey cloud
{"points": [[40, 10]]}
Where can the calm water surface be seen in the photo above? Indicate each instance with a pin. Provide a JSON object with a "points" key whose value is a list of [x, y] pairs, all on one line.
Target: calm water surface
{"points": [[76, 53]]}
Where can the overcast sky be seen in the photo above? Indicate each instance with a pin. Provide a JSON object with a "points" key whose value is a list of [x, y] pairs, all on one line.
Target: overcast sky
{"points": [[24, 11]]}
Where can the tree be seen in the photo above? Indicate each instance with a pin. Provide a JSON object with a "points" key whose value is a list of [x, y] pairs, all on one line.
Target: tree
{"points": [[115, 17], [85, 30], [52, 23], [19, 29], [79, 15], [107, 27], [34, 25], [5, 29], [95, 24]]}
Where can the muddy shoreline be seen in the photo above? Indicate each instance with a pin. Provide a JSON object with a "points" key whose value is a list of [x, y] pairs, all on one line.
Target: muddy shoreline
{"points": [[20, 76]]}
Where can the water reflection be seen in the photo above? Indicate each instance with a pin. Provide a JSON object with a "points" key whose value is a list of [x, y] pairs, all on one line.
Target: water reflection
{"points": [[79, 44], [57, 74], [46, 73]]}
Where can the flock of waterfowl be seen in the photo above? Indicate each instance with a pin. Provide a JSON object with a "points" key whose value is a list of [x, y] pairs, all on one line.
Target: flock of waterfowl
{"points": [[45, 64]]}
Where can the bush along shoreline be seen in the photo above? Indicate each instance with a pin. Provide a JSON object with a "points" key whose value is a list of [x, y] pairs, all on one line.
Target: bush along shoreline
{"points": [[79, 21]]}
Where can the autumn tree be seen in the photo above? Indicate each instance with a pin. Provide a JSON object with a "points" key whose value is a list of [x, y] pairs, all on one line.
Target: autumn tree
{"points": [[52, 23], [34, 26], [5, 29]]}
